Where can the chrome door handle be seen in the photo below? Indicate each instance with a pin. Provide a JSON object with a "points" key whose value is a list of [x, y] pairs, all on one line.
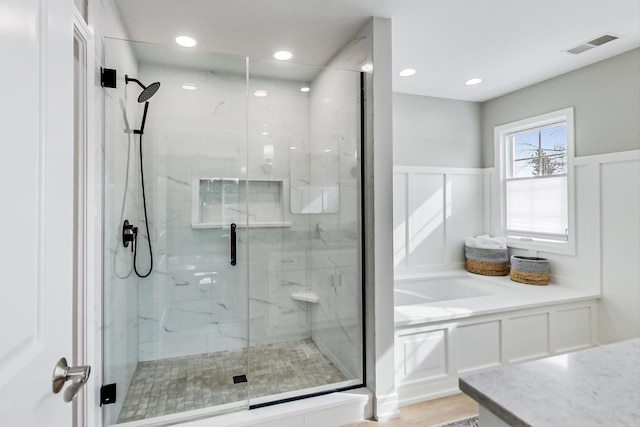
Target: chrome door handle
{"points": [[63, 373]]}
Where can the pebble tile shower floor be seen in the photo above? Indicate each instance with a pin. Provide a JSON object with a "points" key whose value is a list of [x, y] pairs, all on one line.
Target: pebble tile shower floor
{"points": [[168, 386]]}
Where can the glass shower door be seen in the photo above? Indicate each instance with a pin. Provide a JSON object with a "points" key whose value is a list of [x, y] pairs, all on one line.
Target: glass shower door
{"points": [[305, 231], [175, 342]]}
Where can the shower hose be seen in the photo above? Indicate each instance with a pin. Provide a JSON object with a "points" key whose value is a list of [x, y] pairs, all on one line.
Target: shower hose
{"points": [[146, 223]]}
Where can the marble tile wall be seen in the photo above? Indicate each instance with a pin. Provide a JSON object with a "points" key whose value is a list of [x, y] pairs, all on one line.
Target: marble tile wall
{"points": [[336, 319], [194, 302]]}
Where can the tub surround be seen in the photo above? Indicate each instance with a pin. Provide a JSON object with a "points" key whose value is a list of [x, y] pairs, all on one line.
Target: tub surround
{"points": [[594, 387]]}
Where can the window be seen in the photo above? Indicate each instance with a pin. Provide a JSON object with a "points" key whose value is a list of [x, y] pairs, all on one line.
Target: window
{"points": [[535, 158]]}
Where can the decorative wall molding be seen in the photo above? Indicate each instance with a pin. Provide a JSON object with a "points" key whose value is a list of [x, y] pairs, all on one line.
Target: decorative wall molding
{"points": [[621, 156], [430, 357], [435, 208], [604, 197]]}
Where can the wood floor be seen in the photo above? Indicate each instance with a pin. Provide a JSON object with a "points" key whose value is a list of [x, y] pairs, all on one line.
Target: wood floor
{"points": [[432, 413]]}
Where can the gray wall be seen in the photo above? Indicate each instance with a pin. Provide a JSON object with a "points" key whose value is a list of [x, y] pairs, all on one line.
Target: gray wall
{"points": [[605, 96], [431, 131]]}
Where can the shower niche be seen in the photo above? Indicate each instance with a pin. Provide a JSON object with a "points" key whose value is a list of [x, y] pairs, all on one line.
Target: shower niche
{"points": [[217, 202]]}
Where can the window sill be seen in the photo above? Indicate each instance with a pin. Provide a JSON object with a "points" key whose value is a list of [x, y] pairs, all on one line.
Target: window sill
{"points": [[562, 248]]}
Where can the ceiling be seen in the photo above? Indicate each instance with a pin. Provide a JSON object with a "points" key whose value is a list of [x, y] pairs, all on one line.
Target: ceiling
{"points": [[510, 44]]}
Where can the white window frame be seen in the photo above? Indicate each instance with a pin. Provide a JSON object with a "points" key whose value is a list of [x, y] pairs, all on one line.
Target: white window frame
{"points": [[502, 156]]}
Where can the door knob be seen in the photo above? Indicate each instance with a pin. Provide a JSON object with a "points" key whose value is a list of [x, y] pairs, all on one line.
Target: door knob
{"points": [[63, 373]]}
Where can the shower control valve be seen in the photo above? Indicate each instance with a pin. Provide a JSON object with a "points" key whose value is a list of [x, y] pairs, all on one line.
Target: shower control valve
{"points": [[128, 234]]}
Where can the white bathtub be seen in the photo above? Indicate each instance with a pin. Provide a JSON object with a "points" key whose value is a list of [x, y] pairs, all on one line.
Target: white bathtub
{"points": [[428, 290], [464, 323]]}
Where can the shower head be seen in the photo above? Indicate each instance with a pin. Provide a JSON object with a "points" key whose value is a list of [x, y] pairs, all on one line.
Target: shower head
{"points": [[147, 91]]}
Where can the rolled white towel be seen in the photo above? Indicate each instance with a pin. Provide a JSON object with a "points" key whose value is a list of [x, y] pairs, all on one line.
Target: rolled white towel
{"points": [[470, 242], [486, 242]]}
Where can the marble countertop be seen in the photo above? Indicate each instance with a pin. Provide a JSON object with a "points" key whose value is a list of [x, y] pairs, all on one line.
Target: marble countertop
{"points": [[505, 295], [595, 387]]}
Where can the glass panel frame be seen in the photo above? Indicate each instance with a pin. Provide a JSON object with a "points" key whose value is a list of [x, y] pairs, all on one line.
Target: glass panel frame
{"points": [[205, 126]]}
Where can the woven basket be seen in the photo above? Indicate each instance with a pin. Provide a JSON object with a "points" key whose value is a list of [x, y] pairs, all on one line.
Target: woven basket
{"points": [[488, 262], [487, 268], [529, 270]]}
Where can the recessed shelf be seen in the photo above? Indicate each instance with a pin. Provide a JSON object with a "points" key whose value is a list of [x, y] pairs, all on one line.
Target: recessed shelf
{"points": [[218, 202]]}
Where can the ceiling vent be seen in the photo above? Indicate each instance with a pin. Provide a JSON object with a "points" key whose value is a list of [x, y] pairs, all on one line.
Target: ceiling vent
{"points": [[598, 41]]}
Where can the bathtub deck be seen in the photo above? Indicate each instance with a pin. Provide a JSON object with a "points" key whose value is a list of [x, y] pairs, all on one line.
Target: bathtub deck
{"points": [[505, 296]]}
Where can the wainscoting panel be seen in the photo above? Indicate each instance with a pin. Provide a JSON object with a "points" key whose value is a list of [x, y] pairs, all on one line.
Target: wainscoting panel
{"points": [[424, 354], [573, 329], [528, 337], [434, 210], [426, 219], [430, 357], [478, 346]]}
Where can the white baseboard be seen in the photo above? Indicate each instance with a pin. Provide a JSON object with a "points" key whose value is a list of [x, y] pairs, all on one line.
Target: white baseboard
{"points": [[426, 390], [386, 407]]}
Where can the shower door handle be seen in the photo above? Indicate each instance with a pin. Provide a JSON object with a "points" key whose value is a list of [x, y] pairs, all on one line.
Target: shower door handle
{"points": [[233, 244]]}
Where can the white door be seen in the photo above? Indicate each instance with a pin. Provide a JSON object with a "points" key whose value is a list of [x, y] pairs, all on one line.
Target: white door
{"points": [[36, 208]]}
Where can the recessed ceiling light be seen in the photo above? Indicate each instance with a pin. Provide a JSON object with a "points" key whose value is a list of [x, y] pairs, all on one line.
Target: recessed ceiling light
{"points": [[260, 93], [326, 150], [473, 81], [407, 72], [292, 148], [367, 68], [283, 55], [185, 41], [304, 89], [265, 133], [189, 86]]}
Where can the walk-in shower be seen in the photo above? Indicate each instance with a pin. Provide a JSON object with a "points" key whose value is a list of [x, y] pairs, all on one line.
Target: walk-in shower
{"points": [[252, 197]]}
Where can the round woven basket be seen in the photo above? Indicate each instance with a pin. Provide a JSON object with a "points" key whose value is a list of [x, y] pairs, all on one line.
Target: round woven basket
{"points": [[529, 270], [487, 268], [488, 262]]}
